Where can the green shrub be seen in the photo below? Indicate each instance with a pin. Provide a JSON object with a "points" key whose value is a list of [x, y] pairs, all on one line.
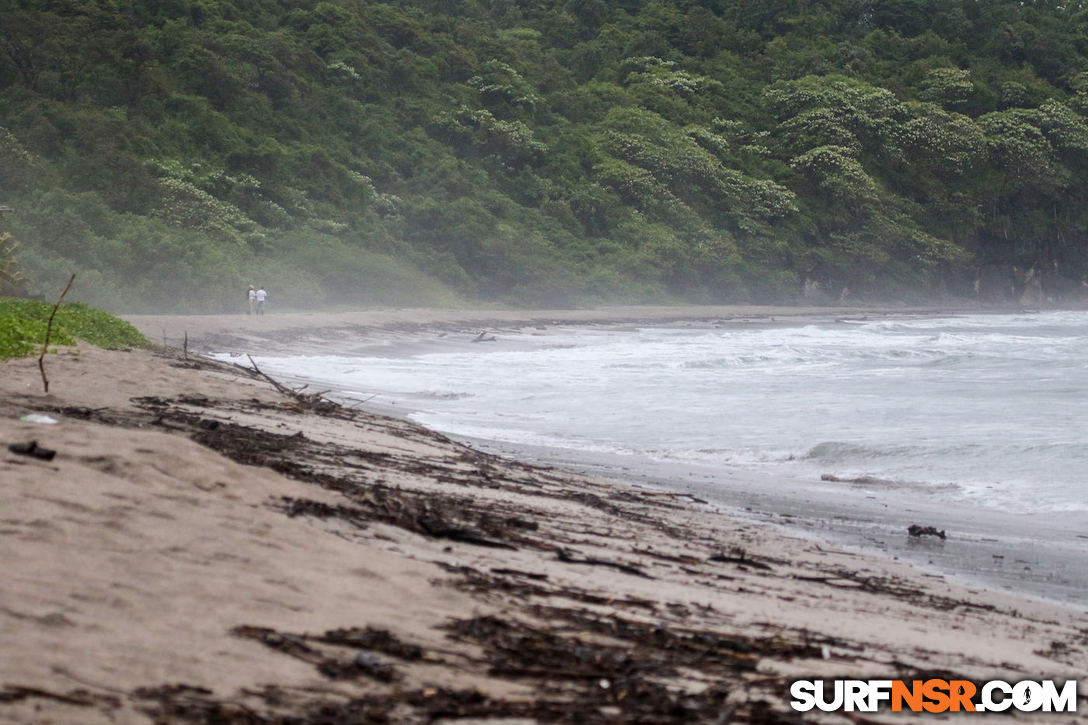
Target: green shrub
{"points": [[23, 326]]}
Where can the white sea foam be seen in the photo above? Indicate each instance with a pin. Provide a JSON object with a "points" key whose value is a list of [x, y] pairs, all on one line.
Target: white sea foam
{"points": [[985, 408]]}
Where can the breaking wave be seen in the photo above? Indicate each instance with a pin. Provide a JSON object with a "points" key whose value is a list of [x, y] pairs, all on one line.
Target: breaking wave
{"points": [[981, 407]]}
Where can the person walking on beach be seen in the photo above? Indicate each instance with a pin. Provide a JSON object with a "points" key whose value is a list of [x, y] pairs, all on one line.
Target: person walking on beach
{"points": [[252, 297], [260, 296]]}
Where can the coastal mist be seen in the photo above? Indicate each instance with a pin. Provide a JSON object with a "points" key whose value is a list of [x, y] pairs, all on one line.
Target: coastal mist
{"points": [[983, 415]]}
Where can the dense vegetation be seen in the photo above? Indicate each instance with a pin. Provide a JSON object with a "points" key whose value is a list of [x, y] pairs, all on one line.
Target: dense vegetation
{"points": [[23, 326], [544, 151]]}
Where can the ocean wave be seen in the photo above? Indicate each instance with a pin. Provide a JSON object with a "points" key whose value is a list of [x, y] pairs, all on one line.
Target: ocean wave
{"points": [[990, 402], [726, 456], [737, 361], [837, 451], [440, 395], [867, 481], [841, 451]]}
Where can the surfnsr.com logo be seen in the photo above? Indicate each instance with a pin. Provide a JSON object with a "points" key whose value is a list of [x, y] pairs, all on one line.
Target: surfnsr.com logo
{"points": [[933, 696]]}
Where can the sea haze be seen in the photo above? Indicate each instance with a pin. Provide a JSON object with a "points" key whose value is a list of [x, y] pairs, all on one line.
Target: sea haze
{"points": [[980, 413]]}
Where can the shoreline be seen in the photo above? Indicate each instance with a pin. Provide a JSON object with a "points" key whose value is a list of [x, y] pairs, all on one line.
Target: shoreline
{"points": [[1000, 557], [218, 332], [203, 548]]}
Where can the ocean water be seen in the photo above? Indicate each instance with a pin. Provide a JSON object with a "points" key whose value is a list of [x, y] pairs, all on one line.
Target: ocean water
{"points": [[985, 410]]}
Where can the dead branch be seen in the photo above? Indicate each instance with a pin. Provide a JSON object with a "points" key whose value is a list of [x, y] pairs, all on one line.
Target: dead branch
{"points": [[310, 401], [740, 559], [49, 332], [275, 383], [568, 558]]}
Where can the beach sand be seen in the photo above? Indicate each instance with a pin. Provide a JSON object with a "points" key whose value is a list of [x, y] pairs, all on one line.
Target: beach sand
{"points": [[206, 548]]}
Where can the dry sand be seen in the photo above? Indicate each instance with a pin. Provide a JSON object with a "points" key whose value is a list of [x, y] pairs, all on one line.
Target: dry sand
{"points": [[204, 548]]}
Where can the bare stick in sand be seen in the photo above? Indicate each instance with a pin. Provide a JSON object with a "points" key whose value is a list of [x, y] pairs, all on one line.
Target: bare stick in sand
{"points": [[357, 403], [49, 332]]}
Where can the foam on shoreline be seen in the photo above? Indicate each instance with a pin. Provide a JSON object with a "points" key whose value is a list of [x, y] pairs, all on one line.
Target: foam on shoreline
{"points": [[1029, 556]]}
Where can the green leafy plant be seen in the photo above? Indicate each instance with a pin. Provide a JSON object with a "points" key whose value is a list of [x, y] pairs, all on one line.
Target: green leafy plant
{"points": [[23, 326]]}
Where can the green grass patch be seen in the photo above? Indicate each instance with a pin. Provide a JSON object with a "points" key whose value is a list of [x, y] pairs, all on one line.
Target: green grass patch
{"points": [[23, 324]]}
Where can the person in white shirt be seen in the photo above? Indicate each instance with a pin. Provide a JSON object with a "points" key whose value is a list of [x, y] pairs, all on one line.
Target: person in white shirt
{"points": [[260, 295], [252, 297]]}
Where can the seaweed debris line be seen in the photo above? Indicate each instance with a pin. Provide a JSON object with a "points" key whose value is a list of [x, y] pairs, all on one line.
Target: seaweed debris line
{"points": [[204, 547]]}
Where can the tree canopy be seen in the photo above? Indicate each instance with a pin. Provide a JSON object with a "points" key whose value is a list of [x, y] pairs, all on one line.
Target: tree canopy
{"points": [[541, 151]]}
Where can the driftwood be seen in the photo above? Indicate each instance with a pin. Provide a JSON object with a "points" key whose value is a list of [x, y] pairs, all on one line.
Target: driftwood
{"points": [[916, 530], [442, 529], [568, 558], [275, 383], [79, 698], [311, 401], [49, 332], [740, 559], [331, 666]]}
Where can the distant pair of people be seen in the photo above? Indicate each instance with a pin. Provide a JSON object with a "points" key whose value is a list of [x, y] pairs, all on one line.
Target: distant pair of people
{"points": [[256, 300]]}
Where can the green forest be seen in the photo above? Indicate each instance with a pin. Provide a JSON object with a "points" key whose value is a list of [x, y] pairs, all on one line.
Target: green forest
{"points": [[542, 152]]}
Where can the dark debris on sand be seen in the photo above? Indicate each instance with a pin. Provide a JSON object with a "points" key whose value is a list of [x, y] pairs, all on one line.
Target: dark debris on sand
{"points": [[589, 657], [576, 679]]}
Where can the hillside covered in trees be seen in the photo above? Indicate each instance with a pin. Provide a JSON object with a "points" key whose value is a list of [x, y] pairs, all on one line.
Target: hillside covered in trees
{"points": [[543, 151]]}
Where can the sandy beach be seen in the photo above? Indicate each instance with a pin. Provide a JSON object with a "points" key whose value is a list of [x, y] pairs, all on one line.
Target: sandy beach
{"points": [[206, 546]]}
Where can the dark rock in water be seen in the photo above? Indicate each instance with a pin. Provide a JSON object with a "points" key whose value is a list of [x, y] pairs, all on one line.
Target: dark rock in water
{"points": [[916, 530]]}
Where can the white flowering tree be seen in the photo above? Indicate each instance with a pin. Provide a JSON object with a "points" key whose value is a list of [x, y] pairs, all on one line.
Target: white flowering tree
{"points": [[873, 163], [11, 279]]}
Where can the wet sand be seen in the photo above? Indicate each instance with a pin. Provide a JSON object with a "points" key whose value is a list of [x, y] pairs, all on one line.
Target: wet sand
{"points": [[1032, 555], [206, 548]]}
